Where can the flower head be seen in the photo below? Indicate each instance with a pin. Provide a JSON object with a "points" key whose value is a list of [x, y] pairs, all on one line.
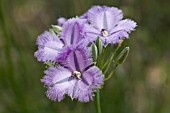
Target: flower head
{"points": [[78, 77], [107, 23], [73, 71], [49, 46]]}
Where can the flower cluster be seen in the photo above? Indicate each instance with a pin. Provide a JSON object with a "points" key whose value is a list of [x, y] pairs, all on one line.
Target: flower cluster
{"points": [[68, 48]]}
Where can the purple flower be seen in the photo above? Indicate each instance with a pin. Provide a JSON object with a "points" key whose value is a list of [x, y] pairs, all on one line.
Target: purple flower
{"points": [[72, 33], [107, 23], [49, 46], [72, 36], [61, 21], [78, 77]]}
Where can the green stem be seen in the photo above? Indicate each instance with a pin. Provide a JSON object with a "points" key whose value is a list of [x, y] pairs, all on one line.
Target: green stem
{"points": [[110, 75], [109, 61], [97, 102], [108, 64]]}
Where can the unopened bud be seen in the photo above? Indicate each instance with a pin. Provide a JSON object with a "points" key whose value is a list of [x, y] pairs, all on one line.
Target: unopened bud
{"points": [[94, 51], [123, 55], [56, 28], [99, 45]]}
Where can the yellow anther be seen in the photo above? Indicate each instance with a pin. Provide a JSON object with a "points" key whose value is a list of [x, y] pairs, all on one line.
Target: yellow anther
{"points": [[104, 33], [77, 74]]}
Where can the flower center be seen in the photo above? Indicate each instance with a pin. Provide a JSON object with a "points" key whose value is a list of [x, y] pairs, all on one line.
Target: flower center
{"points": [[77, 74], [104, 33]]}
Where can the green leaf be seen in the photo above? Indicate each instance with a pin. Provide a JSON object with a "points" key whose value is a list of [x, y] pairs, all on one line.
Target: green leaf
{"points": [[123, 55]]}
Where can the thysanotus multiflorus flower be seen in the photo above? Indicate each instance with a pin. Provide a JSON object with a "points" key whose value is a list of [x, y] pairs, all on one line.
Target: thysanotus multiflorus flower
{"points": [[50, 45], [69, 47], [77, 77], [106, 22]]}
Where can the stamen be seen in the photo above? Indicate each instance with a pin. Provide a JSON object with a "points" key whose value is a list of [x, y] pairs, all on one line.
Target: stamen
{"points": [[104, 33], [77, 74]]}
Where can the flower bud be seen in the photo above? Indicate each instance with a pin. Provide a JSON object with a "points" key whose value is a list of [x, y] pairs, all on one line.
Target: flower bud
{"points": [[99, 45], [123, 55], [94, 51], [56, 28]]}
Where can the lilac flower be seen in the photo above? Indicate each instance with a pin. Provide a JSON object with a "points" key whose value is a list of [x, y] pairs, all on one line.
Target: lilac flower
{"points": [[78, 77], [61, 21], [107, 23], [49, 46], [73, 36], [72, 33]]}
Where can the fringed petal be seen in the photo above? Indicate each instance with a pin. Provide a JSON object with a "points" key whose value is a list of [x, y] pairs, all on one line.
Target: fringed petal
{"points": [[72, 32], [75, 58], [85, 87], [49, 46], [58, 80], [126, 25], [103, 17], [121, 31], [94, 77]]}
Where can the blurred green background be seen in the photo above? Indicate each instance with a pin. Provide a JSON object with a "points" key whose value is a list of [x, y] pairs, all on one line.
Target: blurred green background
{"points": [[140, 85]]}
